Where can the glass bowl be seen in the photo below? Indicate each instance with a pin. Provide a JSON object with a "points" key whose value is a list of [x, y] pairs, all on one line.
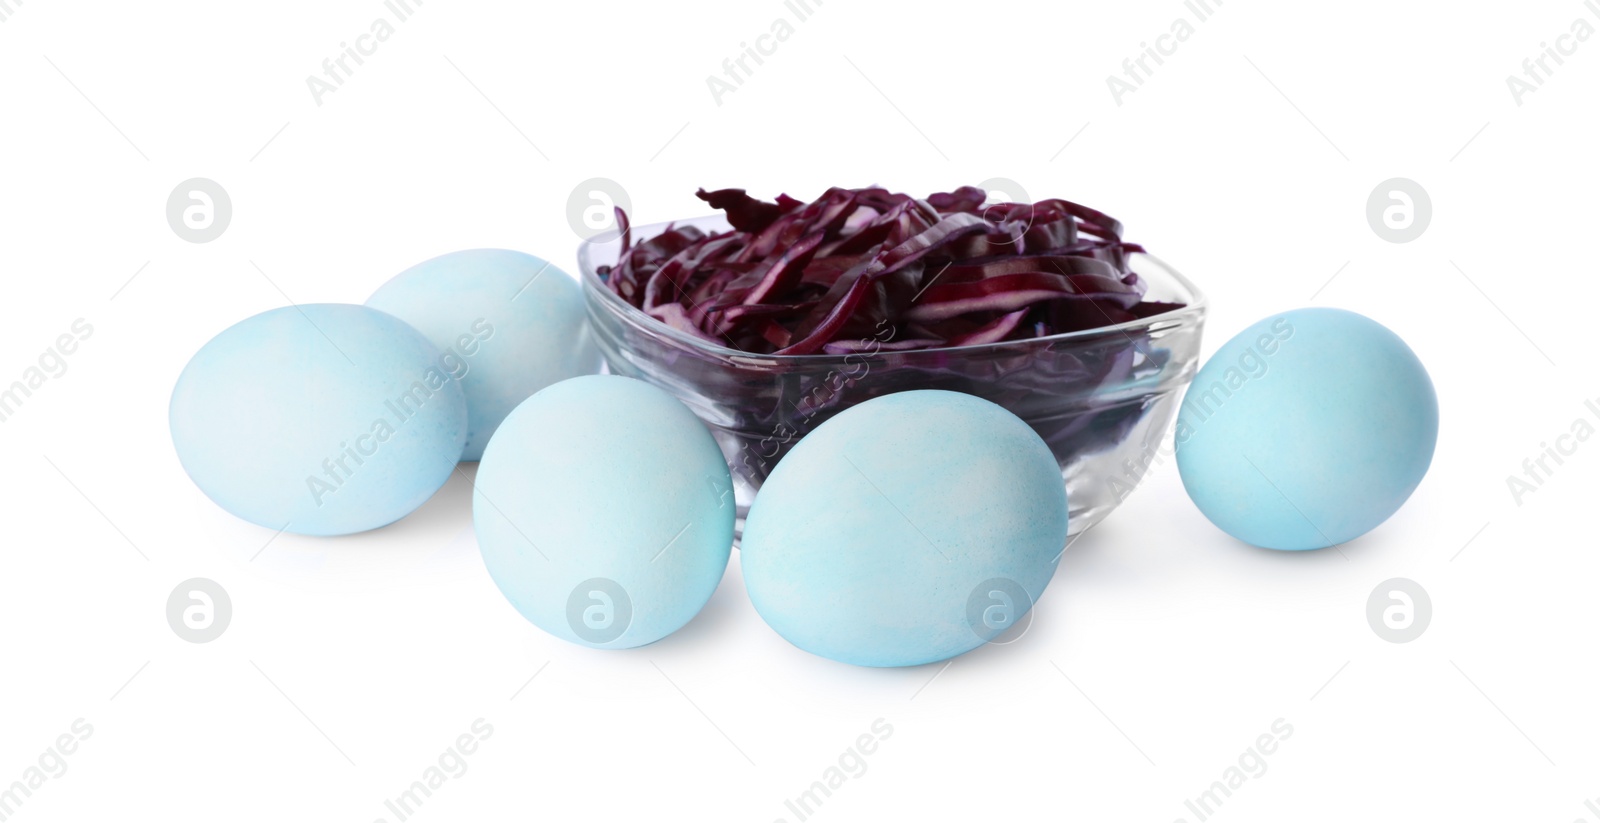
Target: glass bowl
{"points": [[1102, 399]]}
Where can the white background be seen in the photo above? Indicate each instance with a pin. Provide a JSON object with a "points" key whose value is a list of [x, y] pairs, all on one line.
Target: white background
{"points": [[1161, 651]]}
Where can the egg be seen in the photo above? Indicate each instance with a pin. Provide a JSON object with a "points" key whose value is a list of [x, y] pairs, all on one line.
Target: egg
{"points": [[909, 529], [1307, 430], [318, 419], [509, 324], [604, 511]]}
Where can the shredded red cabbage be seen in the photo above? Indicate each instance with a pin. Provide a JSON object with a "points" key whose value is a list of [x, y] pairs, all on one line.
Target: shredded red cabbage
{"points": [[859, 266]]}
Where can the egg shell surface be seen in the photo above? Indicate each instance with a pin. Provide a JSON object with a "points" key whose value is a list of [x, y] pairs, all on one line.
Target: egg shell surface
{"points": [[321, 419], [509, 323], [604, 497], [873, 538], [1307, 430]]}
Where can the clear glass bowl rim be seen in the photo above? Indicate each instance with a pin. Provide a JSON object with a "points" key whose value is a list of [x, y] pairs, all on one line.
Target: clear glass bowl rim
{"points": [[1195, 305]]}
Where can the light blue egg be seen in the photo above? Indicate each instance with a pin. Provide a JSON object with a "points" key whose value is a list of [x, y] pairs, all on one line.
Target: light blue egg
{"points": [[318, 419], [604, 511], [1307, 430], [906, 530], [509, 323]]}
